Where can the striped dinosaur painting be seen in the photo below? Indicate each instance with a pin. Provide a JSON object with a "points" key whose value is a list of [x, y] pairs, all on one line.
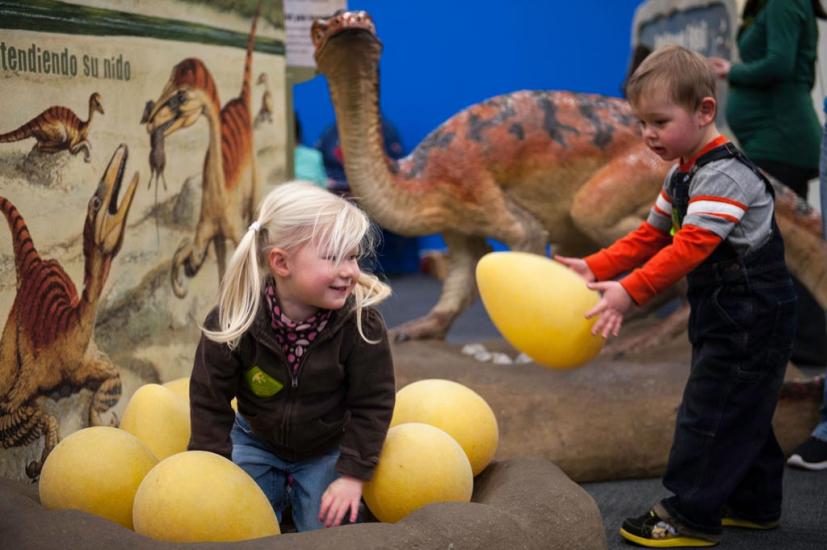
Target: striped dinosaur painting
{"points": [[230, 182], [47, 347], [59, 128]]}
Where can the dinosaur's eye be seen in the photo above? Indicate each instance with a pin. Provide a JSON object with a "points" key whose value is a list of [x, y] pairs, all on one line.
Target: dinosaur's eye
{"points": [[95, 203]]}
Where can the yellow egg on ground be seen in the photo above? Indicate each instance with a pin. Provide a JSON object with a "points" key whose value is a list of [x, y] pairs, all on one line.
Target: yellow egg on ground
{"points": [[419, 465], [96, 470], [456, 409], [181, 387], [539, 306], [159, 418], [198, 496]]}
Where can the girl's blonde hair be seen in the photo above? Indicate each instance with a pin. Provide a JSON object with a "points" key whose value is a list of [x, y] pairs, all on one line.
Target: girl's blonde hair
{"points": [[293, 215]]}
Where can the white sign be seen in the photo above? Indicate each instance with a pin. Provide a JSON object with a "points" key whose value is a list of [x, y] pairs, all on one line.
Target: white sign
{"points": [[298, 16]]}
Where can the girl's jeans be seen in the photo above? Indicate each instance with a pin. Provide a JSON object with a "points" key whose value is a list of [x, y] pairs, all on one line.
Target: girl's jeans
{"points": [[299, 484]]}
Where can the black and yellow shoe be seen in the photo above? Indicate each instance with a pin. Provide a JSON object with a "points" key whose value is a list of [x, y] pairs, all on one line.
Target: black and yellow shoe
{"points": [[653, 532], [733, 519]]}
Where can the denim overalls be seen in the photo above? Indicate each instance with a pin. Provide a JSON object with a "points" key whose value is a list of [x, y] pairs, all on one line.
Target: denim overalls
{"points": [[741, 326]]}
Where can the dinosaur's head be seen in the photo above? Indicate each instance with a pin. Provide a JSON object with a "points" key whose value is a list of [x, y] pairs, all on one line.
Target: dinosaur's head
{"points": [[95, 103], [188, 92], [106, 219], [338, 35]]}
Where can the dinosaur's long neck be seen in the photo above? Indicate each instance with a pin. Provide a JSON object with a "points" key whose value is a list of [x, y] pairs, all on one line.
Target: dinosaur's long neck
{"points": [[354, 90], [88, 121]]}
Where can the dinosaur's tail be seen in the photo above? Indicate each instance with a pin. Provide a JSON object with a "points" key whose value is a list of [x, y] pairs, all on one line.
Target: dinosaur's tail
{"points": [[248, 62], [806, 256], [25, 253], [24, 132]]}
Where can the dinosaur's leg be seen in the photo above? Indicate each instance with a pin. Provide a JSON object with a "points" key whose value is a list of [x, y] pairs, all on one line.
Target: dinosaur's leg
{"points": [[616, 199], [806, 255], [458, 290], [23, 426], [518, 228], [86, 146], [220, 245], [191, 255], [97, 372]]}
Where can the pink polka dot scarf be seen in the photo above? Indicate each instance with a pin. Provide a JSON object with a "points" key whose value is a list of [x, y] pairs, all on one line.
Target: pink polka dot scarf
{"points": [[294, 338]]}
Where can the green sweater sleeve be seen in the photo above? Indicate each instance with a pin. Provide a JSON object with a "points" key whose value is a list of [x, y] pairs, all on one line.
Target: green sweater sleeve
{"points": [[783, 20]]}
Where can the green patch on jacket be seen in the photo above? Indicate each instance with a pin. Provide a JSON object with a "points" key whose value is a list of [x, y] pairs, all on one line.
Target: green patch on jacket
{"points": [[261, 383]]}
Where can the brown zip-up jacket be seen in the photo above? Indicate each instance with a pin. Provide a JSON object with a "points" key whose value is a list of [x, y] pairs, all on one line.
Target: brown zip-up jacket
{"points": [[342, 394]]}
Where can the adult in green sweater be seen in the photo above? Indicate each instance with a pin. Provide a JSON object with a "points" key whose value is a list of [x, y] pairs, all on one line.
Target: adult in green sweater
{"points": [[770, 110]]}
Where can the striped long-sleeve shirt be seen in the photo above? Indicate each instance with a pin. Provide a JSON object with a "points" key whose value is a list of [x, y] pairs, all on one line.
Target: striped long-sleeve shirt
{"points": [[727, 201]]}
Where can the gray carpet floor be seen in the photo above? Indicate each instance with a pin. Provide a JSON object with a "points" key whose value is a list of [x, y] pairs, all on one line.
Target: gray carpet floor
{"points": [[804, 517]]}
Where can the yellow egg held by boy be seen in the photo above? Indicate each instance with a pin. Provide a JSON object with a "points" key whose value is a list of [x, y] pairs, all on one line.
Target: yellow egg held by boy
{"points": [[96, 470], [159, 418], [199, 496], [419, 465], [539, 306], [455, 409]]}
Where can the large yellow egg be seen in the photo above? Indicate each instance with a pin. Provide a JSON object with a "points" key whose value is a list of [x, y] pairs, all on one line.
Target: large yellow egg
{"points": [[181, 387], [419, 465], [198, 496], [97, 470], [159, 418], [456, 409], [539, 306]]}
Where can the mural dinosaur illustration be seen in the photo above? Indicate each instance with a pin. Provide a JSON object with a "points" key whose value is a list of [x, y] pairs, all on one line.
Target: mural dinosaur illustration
{"points": [[47, 347], [526, 168], [265, 113], [230, 182], [58, 128]]}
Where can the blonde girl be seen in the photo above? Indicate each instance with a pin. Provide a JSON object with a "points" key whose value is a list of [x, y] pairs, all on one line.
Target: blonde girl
{"points": [[296, 339]]}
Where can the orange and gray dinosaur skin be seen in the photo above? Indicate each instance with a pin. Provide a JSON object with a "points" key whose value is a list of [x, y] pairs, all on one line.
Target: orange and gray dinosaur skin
{"points": [[58, 128], [47, 346], [230, 182], [526, 168]]}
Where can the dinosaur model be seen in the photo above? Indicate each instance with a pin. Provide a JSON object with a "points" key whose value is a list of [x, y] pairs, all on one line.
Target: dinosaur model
{"points": [[526, 168], [47, 347], [230, 182], [58, 128]]}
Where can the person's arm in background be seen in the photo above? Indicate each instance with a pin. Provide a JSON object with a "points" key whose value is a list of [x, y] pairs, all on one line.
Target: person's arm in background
{"points": [[784, 21]]}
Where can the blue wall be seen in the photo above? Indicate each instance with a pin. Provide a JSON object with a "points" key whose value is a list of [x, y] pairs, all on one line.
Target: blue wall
{"points": [[440, 57]]}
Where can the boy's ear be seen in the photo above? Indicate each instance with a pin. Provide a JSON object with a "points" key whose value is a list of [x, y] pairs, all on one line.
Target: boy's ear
{"points": [[707, 110], [277, 259]]}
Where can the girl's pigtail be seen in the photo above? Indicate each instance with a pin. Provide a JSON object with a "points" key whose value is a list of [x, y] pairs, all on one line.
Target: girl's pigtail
{"points": [[369, 291], [240, 291]]}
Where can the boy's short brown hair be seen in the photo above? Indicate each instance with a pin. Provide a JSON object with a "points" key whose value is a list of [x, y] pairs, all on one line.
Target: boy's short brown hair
{"points": [[683, 74]]}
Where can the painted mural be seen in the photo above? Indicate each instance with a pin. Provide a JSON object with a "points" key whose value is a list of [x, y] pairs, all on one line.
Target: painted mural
{"points": [[136, 139]]}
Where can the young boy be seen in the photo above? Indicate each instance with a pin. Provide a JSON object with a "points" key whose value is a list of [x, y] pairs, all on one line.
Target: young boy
{"points": [[712, 222]]}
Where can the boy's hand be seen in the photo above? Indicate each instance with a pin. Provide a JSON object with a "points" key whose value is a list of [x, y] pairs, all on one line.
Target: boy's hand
{"points": [[578, 265], [614, 303], [341, 495]]}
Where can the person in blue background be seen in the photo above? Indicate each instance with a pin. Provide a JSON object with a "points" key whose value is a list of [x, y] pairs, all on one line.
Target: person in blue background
{"points": [[333, 159], [307, 161]]}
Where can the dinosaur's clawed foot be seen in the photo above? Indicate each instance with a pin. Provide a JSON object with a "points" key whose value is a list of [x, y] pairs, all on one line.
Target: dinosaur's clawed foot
{"points": [[33, 470], [433, 326]]}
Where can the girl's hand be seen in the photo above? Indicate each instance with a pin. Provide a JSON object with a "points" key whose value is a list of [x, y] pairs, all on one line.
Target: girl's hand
{"points": [[719, 66], [578, 265], [341, 495], [614, 303]]}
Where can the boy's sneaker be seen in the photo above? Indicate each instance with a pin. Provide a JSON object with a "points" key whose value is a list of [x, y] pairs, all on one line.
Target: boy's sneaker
{"points": [[811, 455], [652, 531], [732, 518]]}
